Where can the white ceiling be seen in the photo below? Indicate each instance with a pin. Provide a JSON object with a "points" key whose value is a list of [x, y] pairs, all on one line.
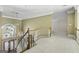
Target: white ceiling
{"points": [[29, 11]]}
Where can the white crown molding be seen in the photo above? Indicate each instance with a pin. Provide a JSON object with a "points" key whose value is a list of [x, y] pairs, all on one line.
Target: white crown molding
{"points": [[32, 16], [38, 15], [11, 17]]}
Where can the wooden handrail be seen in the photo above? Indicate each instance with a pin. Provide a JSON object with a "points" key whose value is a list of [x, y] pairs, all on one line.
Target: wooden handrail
{"points": [[22, 37], [31, 43]]}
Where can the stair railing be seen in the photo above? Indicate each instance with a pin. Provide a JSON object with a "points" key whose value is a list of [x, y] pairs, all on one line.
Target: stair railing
{"points": [[27, 42]]}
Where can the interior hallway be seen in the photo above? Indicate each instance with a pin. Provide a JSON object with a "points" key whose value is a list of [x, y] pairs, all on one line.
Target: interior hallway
{"points": [[59, 41], [38, 23]]}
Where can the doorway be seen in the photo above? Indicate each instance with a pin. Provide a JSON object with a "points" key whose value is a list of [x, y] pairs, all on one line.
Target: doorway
{"points": [[59, 23]]}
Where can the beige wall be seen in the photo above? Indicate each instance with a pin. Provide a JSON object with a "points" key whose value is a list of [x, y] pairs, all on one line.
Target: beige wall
{"points": [[42, 23], [71, 23]]}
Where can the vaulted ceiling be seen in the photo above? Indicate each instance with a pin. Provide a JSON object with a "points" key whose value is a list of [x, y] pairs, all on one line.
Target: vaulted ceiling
{"points": [[29, 11]]}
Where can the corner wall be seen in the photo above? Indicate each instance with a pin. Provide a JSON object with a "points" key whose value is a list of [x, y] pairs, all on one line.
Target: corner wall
{"points": [[42, 23]]}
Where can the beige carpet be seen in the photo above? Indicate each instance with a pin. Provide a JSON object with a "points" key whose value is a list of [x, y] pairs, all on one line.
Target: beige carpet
{"points": [[55, 44]]}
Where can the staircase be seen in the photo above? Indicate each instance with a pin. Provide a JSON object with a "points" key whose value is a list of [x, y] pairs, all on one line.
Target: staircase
{"points": [[25, 42]]}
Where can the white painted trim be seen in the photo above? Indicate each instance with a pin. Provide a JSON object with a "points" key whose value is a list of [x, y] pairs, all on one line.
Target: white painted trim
{"points": [[43, 14], [11, 17]]}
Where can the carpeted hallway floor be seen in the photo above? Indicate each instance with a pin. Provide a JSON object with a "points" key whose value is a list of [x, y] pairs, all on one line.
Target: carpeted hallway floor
{"points": [[55, 44]]}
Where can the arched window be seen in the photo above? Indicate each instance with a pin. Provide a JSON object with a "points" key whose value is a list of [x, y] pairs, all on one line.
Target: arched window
{"points": [[8, 30]]}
